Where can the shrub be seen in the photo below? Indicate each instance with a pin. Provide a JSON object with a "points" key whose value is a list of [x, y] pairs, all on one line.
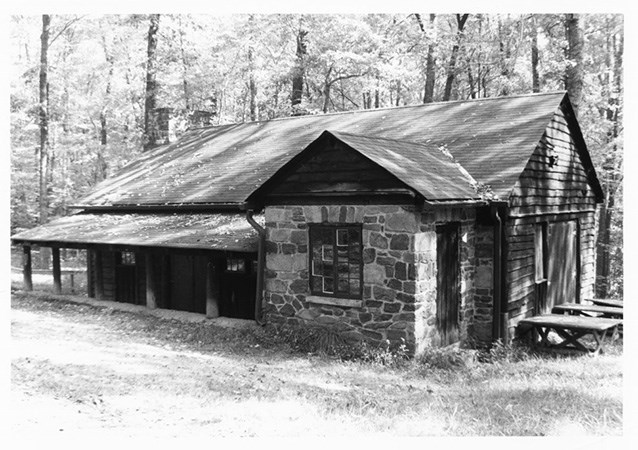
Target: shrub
{"points": [[317, 340], [446, 358], [501, 353]]}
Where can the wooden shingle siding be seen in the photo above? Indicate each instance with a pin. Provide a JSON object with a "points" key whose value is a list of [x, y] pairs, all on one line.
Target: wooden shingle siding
{"points": [[554, 180], [337, 169], [553, 187]]}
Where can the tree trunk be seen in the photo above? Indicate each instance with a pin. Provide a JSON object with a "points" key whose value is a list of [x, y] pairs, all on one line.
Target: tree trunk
{"points": [[574, 72], [252, 87], [430, 69], [187, 101], [504, 53], [150, 102], [471, 81], [298, 72], [100, 161], [612, 166], [536, 85], [326, 96], [43, 151], [451, 68]]}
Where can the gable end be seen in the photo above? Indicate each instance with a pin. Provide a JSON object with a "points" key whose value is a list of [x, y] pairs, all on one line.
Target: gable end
{"points": [[559, 176], [330, 168]]}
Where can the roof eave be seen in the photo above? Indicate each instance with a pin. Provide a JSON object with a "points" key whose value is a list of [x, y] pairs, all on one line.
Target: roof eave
{"points": [[164, 207]]}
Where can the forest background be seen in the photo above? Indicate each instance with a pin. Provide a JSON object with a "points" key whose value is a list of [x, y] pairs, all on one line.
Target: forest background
{"points": [[83, 88]]}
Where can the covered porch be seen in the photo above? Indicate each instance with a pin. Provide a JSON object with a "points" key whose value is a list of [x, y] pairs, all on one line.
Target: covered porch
{"points": [[204, 263]]}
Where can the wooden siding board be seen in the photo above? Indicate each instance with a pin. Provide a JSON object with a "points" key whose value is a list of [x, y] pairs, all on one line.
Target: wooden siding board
{"points": [[354, 163]]}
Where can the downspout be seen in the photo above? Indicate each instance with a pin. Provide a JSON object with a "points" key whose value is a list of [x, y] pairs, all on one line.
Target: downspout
{"points": [[503, 270], [261, 262], [496, 311]]}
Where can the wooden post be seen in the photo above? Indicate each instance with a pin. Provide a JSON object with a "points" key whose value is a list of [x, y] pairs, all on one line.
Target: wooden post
{"points": [[165, 282], [212, 290], [26, 268], [90, 279], [99, 276], [151, 301], [57, 275]]}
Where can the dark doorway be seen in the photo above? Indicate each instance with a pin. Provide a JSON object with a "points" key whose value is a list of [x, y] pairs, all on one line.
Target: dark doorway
{"points": [[126, 278], [188, 283], [448, 286], [562, 264], [239, 281]]}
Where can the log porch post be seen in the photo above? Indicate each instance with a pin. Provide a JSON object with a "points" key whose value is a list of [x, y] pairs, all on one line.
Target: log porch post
{"points": [[99, 276], [151, 301], [212, 289], [90, 279], [26, 268], [57, 273]]}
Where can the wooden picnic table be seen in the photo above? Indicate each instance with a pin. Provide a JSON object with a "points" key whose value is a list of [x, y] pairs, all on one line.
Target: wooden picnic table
{"points": [[571, 329], [588, 310], [606, 302]]}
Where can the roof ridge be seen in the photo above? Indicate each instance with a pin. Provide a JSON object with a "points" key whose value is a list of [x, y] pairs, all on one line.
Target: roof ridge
{"points": [[387, 108], [336, 133]]}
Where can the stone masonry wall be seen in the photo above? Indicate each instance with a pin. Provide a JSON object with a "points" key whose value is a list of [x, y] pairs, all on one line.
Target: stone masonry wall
{"points": [[390, 235], [427, 334], [399, 274], [484, 285]]}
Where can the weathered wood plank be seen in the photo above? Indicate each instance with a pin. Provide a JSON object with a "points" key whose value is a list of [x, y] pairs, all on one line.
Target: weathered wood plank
{"points": [[533, 171], [535, 200], [514, 264], [535, 211]]}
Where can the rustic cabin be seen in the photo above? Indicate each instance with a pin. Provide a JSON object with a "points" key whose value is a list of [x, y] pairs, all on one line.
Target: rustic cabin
{"points": [[426, 225]]}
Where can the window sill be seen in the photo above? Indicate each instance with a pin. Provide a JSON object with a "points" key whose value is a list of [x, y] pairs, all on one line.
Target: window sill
{"points": [[347, 302]]}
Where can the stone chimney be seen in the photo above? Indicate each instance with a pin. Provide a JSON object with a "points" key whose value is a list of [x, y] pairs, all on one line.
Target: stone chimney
{"points": [[169, 123]]}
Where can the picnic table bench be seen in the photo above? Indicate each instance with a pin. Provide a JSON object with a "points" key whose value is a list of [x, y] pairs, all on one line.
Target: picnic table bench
{"points": [[571, 329], [588, 310], [606, 302]]}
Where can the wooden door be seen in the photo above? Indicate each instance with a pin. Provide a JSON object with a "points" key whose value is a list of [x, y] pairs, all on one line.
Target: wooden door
{"points": [[188, 283], [238, 285], [562, 264], [126, 278], [448, 285]]}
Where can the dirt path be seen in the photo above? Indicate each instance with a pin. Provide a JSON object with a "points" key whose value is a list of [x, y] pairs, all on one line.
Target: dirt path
{"points": [[77, 372], [86, 369]]}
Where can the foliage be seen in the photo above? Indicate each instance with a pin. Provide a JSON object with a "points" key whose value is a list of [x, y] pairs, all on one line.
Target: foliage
{"points": [[446, 358], [325, 341]]}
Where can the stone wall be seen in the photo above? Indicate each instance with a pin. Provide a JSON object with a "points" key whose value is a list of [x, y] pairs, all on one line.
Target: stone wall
{"points": [[399, 274], [483, 285], [427, 334]]}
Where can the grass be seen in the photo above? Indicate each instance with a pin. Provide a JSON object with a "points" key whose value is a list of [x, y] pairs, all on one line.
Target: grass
{"points": [[134, 373]]}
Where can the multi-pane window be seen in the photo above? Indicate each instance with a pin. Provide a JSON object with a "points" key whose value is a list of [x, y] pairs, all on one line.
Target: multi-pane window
{"points": [[235, 265], [127, 259], [540, 251], [335, 261]]}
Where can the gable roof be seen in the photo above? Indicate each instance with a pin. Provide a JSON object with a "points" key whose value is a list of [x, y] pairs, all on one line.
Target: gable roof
{"points": [[425, 170], [491, 138]]}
